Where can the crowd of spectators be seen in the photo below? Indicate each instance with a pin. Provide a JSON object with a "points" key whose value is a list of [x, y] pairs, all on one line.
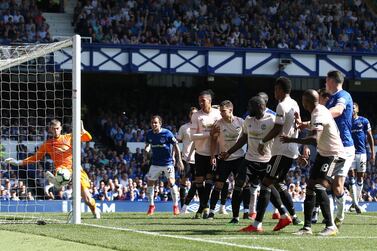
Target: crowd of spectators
{"points": [[21, 21], [346, 25]]}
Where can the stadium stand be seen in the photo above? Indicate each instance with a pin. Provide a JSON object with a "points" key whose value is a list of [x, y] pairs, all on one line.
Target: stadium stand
{"points": [[300, 25], [22, 22]]}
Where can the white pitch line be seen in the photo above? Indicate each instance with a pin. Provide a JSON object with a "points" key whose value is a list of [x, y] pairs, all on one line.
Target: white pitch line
{"points": [[258, 237], [363, 216], [183, 237]]}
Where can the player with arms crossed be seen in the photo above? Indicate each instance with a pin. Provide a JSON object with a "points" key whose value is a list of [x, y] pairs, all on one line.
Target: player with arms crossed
{"points": [[159, 142], [325, 135], [59, 147], [361, 130], [225, 134], [201, 126]]}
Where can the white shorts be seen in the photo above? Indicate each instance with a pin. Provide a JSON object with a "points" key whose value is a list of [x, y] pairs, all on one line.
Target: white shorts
{"points": [[156, 171], [349, 155], [360, 163]]}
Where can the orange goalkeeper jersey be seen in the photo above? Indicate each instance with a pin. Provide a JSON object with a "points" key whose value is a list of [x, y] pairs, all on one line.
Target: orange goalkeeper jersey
{"points": [[59, 149]]}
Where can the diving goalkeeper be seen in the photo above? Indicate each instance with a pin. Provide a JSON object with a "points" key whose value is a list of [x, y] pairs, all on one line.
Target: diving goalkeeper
{"points": [[59, 147]]}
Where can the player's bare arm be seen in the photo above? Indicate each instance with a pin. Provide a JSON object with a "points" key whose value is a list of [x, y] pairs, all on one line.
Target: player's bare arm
{"points": [[371, 145], [214, 142], [146, 154], [310, 140], [272, 134], [337, 110], [177, 155]]}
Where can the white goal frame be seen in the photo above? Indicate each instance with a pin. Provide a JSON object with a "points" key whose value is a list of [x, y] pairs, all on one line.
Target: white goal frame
{"points": [[32, 53], [76, 129]]}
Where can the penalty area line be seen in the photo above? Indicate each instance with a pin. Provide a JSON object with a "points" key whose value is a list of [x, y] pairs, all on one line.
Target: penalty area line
{"points": [[183, 237], [291, 237], [362, 216]]}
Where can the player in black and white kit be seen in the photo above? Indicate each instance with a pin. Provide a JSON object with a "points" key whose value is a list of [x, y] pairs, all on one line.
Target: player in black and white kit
{"points": [[282, 155], [201, 125], [225, 134], [330, 157], [188, 153], [254, 166]]}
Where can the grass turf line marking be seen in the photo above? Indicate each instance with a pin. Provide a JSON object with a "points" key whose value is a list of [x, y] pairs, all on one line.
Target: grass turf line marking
{"points": [[183, 237], [291, 237], [363, 216]]}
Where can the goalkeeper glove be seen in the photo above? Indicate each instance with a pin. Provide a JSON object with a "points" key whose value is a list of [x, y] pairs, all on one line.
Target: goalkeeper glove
{"points": [[13, 161]]}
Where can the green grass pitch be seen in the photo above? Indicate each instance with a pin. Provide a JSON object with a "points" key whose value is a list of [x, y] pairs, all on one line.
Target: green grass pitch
{"points": [[136, 231]]}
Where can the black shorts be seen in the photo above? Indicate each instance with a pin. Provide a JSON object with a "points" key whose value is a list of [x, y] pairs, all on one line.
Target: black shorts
{"points": [[324, 167], [188, 170], [251, 170], [202, 165], [224, 168], [278, 167]]}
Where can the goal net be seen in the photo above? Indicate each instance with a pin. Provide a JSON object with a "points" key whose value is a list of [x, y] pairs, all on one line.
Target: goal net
{"points": [[34, 90]]}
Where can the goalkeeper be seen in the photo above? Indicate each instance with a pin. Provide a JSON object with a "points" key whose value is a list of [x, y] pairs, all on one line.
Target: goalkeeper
{"points": [[59, 147]]}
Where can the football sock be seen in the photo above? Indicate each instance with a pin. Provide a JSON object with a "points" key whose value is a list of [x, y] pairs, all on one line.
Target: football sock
{"points": [[236, 201], [92, 205], [214, 198], [340, 203], [276, 201], [207, 192], [201, 191], [182, 194], [308, 206], [246, 198], [264, 199], [224, 193], [324, 200], [174, 194], [359, 188], [353, 191], [150, 195], [287, 201], [253, 198], [191, 193]]}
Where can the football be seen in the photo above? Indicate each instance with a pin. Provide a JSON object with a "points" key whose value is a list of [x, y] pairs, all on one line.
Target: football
{"points": [[63, 176]]}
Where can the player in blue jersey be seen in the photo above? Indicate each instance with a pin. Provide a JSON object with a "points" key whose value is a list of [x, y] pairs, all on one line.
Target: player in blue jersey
{"points": [[159, 143], [264, 96], [361, 131], [340, 105]]}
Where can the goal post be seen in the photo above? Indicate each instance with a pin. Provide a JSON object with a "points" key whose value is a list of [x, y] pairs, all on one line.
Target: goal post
{"points": [[33, 91], [76, 126]]}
